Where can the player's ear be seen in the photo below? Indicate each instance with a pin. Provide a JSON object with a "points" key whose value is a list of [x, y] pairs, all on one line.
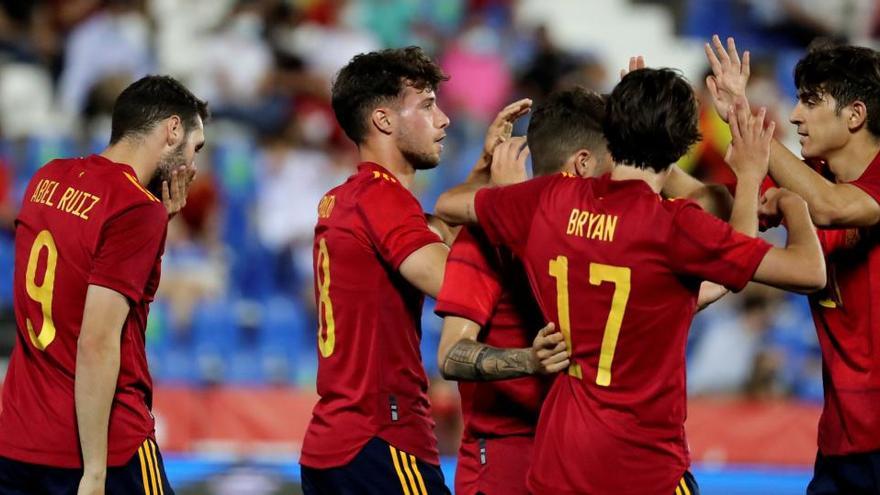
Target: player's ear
{"points": [[858, 114], [174, 131], [584, 163], [383, 120]]}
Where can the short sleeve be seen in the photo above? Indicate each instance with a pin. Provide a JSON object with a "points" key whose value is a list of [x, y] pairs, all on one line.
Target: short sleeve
{"points": [[127, 249], [704, 247], [472, 282], [870, 181], [394, 221], [506, 213]]}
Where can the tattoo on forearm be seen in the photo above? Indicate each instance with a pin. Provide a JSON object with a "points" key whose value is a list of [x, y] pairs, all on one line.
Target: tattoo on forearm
{"points": [[471, 360]]}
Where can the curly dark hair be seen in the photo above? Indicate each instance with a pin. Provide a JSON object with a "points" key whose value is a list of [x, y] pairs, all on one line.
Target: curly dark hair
{"points": [[372, 78], [847, 73], [651, 119], [150, 100], [565, 122]]}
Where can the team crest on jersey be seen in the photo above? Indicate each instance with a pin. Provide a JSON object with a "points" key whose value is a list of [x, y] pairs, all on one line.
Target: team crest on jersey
{"points": [[325, 207]]}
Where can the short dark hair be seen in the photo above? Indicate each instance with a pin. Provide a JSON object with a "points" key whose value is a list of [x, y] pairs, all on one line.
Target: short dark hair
{"points": [[847, 73], [150, 100], [371, 78], [651, 119], [565, 122]]}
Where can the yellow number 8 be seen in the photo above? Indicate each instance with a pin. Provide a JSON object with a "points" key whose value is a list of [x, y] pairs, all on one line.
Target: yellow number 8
{"points": [[42, 293], [325, 306]]}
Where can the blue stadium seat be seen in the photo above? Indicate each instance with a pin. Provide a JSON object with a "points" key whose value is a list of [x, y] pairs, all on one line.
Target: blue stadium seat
{"points": [[281, 338], [215, 335]]}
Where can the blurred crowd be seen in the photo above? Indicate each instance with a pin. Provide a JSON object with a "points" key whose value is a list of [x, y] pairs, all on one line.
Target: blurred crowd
{"points": [[236, 302]]}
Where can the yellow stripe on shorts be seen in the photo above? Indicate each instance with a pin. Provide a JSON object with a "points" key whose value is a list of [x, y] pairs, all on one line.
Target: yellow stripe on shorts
{"points": [[403, 483], [157, 468], [415, 466], [144, 470]]}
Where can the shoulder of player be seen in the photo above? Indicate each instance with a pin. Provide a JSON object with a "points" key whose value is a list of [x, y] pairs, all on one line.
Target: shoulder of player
{"points": [[382, 186]]}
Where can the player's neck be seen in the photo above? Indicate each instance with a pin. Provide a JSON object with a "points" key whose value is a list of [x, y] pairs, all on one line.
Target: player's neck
{"points": [[848, 163], [655, 180], [391, 159], [134, 156]]}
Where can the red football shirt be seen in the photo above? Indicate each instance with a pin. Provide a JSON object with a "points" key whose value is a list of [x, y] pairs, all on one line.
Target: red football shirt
{"points": [[83, 221], [618, 270], [847, 317], [371, 380], [488, 286]]}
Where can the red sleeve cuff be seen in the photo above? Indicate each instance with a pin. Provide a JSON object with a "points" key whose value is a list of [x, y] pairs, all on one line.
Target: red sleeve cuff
{"points": [[412, 246], [753, 260], [447, 308]]}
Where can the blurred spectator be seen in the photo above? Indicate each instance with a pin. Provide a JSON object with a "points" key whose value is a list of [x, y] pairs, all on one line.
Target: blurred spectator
{"points": [[480, 81], [735, 338], [113, 42]]}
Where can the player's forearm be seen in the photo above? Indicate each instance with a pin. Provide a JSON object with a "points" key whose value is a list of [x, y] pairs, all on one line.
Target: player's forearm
{"points": [[744, 217], [456, 206], [470, 360], [97, 371], [793, 174], [802, 237]]}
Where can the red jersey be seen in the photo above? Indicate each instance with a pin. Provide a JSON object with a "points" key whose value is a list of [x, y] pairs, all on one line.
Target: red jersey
{"points": [[488, 286], [83, 221], [371, 380], [618, 270], [847, 317]]}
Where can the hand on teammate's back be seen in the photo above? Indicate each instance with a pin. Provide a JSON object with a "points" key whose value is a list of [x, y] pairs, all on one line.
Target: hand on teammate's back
{"points": [[509, 162], [549, 351], [749, 153], [730, 75]]}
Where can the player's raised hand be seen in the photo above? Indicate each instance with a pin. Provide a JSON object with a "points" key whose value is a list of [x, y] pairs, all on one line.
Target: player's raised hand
{"points": [[749, 152], [174, 194], [501, 128], [549, 351], [635, 63], [509, 162], [730, 75]]}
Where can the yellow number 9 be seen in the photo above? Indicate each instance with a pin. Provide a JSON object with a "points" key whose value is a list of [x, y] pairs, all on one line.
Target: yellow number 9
{"points": [[325, 306], [42, 293]]}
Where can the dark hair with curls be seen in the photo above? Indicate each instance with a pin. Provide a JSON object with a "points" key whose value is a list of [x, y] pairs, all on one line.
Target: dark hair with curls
{"points": [[564, 123], [847, 73], [151, 99], [375, 77], [651, 119]]}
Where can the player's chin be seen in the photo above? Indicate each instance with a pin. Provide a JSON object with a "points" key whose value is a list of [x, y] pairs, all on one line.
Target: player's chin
{"points": [[427, 161]]}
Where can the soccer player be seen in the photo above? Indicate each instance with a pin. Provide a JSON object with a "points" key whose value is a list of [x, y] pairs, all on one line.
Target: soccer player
{"points": [[375, 257], [88, 244], [617, 269], [838, 118], [491, 318]]}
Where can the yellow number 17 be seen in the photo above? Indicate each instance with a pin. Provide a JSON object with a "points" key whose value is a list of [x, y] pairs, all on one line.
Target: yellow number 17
{"points": [[599, 273]]}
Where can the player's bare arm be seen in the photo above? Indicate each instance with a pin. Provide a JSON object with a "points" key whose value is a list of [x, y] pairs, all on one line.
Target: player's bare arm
{"points": [[713, 198], [463, 358], [443, 230], [800, 266], [456, 206], [831, 204], [748, 157], [97, 369], [424, 268]]}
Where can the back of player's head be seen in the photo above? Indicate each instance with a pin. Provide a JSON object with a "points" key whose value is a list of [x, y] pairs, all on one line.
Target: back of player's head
{"points": [[150, 100], [565, 122], [651, 119], [372, 78], [847, 73]]}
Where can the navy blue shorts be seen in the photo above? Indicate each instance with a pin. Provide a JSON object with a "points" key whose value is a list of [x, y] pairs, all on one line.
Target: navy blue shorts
{"points": [[687, 485], [378, 469], [144, 474], [853, 474]]}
